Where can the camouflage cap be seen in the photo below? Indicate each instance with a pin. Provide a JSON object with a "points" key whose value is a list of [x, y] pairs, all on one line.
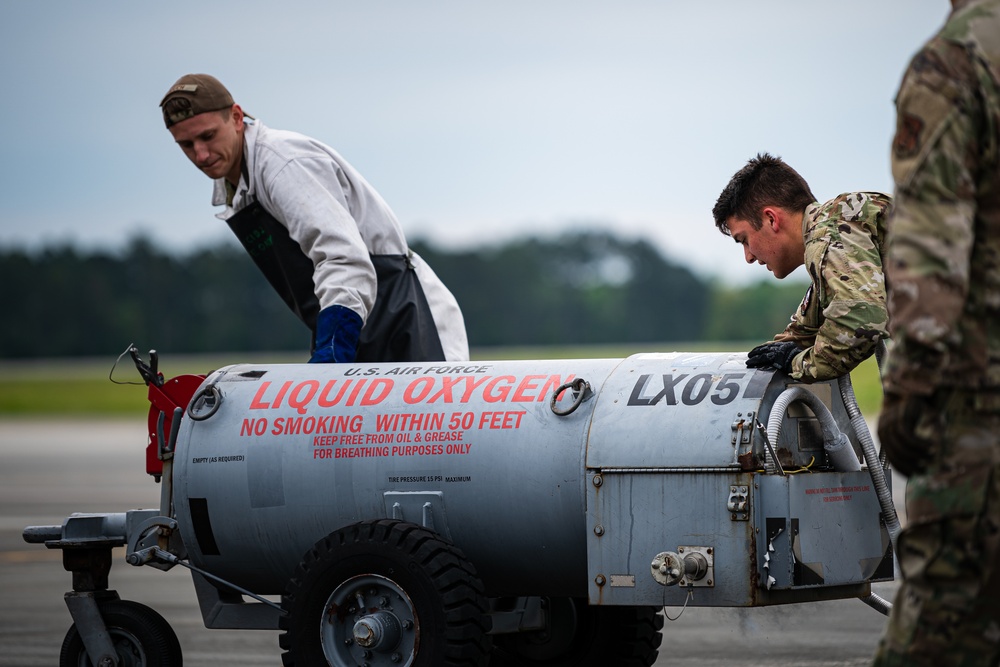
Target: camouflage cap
{"points": [[193, 94]]}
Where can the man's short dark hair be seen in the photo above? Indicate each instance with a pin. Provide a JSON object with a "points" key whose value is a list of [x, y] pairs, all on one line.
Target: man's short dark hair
{"points": [[764, 181]]}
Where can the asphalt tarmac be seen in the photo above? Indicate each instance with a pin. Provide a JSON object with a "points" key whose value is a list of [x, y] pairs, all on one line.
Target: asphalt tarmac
{"points": [[50, 469]]}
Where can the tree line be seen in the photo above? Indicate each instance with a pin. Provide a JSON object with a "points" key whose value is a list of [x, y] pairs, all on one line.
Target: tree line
{"points": [[574, 289]]}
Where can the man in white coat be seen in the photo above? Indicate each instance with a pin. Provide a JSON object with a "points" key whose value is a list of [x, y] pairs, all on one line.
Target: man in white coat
{"points": [[323, 237]]}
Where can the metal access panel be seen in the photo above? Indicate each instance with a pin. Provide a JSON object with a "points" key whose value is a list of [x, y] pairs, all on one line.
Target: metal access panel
{"points": [[817, 530], [633, 516], [769, 539]]}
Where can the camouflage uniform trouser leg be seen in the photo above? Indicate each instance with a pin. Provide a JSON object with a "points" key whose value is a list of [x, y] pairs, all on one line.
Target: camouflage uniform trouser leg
{"points": [[947, 609]]}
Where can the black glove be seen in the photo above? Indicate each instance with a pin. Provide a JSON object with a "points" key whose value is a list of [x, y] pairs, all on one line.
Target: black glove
{"points": [[776, 355], [909, 452]]}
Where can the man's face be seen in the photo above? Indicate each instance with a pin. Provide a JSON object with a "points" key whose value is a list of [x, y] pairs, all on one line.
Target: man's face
{"points": [[213, 141], [778, 251]]}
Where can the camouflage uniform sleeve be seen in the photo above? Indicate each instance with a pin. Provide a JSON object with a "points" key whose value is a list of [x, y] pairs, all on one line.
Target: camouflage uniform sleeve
{"points": [[930, 232], [843, 314]]}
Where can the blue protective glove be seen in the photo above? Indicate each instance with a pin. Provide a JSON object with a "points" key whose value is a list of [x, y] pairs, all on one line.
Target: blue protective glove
{"points": [[337, 332]]}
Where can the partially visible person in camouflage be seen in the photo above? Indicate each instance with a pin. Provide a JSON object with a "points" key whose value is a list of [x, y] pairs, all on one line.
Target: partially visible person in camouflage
{"points": [[768, 208], [940, 420]]}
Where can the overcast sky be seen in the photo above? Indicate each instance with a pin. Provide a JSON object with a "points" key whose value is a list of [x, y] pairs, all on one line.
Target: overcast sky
{"points": [[476, 121]]}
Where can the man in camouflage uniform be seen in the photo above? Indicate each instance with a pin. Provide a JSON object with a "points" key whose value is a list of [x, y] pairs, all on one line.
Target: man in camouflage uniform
{"points": [[940, 421], [768, 208]]}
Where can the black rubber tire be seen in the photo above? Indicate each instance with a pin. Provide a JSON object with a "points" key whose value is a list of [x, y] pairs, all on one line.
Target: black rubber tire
{"points": [[579, 635], [142, 638], [428, 583]]}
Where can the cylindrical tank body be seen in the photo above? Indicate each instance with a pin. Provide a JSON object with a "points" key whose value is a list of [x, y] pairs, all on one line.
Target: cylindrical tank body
{"points": [[271, 458]]}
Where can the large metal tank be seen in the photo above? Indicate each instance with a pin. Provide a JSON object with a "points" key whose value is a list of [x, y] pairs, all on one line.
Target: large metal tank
{"points": [[274, 457], [502, 513], [474, 451]]}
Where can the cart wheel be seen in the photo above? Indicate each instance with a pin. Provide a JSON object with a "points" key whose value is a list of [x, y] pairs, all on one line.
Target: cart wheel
{"points": [[384, 593], [579, 635], [141, 637]]}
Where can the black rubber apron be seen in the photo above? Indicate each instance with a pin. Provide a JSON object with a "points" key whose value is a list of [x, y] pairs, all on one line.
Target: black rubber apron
{"points": [[400, 326]]}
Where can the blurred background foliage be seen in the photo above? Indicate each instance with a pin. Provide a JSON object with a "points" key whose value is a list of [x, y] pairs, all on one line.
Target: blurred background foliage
{"points": [[577, 289], [69, 314]]}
